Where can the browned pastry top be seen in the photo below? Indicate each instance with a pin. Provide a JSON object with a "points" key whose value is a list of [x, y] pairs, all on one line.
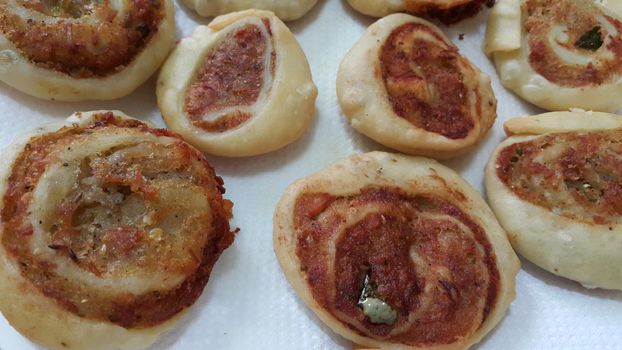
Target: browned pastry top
{"points": [[423, 256], [139, 209], [82, 38]]}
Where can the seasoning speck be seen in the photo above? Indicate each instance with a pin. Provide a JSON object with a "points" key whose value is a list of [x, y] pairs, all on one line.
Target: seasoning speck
{"points": [[591, 40]]}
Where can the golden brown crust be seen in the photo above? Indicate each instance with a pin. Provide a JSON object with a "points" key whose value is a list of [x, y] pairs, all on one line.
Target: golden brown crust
{"points": [[407, 231], [96, 47], [94, 51], [447, 11], [584, 33], [558, 54], [420, 95], [555, 187], [113, 223]]}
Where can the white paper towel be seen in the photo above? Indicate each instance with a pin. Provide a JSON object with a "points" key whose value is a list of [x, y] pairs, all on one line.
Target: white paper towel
{"points": [[248, 304]]}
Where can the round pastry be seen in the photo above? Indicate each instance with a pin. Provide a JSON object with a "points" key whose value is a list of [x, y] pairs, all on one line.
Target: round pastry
{"points": [[83, 50], [395, 252], [556, 187], [287, 10], [405, 85], [447, 11], [241, 86], [109, 229], [558, 54]]}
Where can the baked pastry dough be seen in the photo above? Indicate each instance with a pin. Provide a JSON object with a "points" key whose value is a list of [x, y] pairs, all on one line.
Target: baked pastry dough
{"points": [[240, 86], [447, 11], [405, 85], [559, 54], [395, 252], [83, 50], [556, 187], [287, 10], [108, 231]]}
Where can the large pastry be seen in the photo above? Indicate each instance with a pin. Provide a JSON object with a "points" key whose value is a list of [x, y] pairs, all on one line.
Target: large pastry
{"points": [[405, 85], [559, 54], [109, 230], [556, 187], [395, 252], [447, 11], [240, 86], [83, 50], [287, 10]]}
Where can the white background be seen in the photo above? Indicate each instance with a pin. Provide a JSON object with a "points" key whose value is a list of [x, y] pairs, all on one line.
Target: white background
{"points": [[248, 304]]}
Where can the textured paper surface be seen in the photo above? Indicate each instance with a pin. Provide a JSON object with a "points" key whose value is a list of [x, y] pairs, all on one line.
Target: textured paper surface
{"points": [[248, 304]]}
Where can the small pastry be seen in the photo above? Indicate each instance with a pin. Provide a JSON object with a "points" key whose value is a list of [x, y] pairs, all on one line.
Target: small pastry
{"points": [[556, 187], [287, 10], [405, 85], [83, 50], [447, 11], [240, 86], [395, 252], [109, 230], [558, 54]]}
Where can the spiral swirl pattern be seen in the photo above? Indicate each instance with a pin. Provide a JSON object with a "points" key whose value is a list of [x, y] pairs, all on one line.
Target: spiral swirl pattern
{"points": [[114, 221], [573, 43], [428, 259], [558, 55], [240, 86], [81, 38], [576, 175], [431, 85], [234, 78]]}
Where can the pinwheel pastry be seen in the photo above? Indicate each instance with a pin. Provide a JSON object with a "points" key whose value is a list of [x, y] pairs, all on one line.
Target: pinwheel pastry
{"points": [[287, 10], [556, 187], [241, 86], [395, 252], [405, 85], [108, 231], [73, 50], [558, 54], [447, 11]]}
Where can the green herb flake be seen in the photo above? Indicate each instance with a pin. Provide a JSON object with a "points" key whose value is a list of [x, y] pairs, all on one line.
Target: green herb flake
{"points": [[378, 311], [591, 40], [374, 308]]}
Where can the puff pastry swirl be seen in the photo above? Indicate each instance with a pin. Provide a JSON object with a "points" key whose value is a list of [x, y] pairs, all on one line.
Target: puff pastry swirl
{"points": [[406, 85], [109, 229], [556, 187], [73, 50], [559, 54], [240, 86], [395, 252]]}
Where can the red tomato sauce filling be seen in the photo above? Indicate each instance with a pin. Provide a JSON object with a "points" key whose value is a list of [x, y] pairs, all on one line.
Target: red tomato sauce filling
{"points": [[425, 83], [579, 18], [577, 175], [101, 250], [231, 75], [80, 48], [449, 288]]}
